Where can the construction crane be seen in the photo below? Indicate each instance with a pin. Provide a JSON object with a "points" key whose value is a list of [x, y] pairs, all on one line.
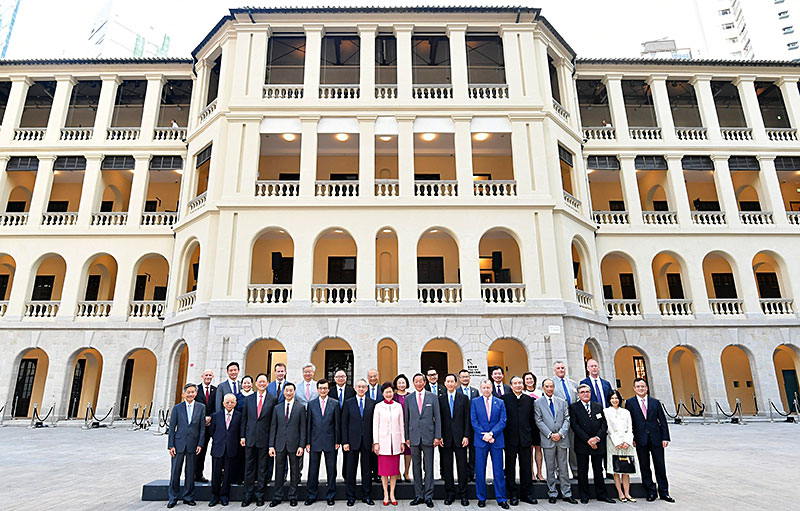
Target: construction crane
{"points": [[7, 19]]}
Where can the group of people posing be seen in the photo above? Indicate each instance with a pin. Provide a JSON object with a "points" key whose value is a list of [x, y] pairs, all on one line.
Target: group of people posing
{"points": [[386, 429]]}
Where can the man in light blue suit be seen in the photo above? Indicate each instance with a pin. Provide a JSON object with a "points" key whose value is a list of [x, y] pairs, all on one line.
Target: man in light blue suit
{"points": [[187, 425], [488, 417]]}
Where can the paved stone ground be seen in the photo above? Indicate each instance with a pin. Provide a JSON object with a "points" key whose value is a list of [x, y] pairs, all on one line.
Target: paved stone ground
{"points": [[712, 467]]}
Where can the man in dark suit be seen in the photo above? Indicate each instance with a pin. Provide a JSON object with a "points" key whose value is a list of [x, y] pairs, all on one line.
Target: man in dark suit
{"points": [[230, 386], [650, 437], [374, 393], [488, 417], [323, 436], [518, 440], [432, 385], [456, 431], [590, 428], [423, 428], [275, 387], [287, 437], [471, 392], [600, 388], [224, 430], [258, 409], [206, 394], [357, 442], [187, 426], [342, 392], [499, 389]]}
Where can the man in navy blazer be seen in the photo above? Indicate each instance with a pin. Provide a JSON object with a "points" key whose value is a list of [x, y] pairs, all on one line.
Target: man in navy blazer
{"points": [[275, 387], [600, 388], [258, 409], [224, 432], [489, 440], [187, 426], [357, 442], [650, 437], [206, 394], [323, 436]]}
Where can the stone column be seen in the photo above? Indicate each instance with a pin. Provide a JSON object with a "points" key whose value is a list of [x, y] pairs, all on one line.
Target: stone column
{"points": [[463, 155], [791, 99], [512, 59], [314, 32], [152, 105], [226, 71], [459, 77], [746, 288], [91, 191], [250, 62], [5, 187], [569, 96], [405, 72], [105, 105], [676, 190], [707, 106], [366, 155], [543, 75], [141, 178], [750, 106], [725, 191], [616, 105], [405, 153], [41, 189], [469, 264], [407, 266], [14, 107], [365, 267], [21, 286], [658, 89], [308, 154], [770, 191], [302, 271], [251, 131], [521, 154], [198, 100], [60, 107], [366, 63], [693, 279], [630, 189], [123, 291]]}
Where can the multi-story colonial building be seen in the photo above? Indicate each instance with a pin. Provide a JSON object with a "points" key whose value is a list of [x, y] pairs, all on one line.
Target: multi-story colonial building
{"points": [[396, 188]]}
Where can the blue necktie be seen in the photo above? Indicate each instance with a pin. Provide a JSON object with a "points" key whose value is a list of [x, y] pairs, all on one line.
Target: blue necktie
{"points": [[341, 397], [597, 393], [566, 393], [451, 405], [361, 405], [466, 391], [552, 408]]}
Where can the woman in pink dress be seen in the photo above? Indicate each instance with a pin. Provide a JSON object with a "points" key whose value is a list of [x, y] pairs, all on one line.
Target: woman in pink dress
{"points": [[388, 433], [401, 385]]}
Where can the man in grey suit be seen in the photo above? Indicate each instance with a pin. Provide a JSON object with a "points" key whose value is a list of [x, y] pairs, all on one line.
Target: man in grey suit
{"points": [[287, 437], [552, 418], [307, 389], [567, 390], [230, 386], [423, 425], [187, 426]]}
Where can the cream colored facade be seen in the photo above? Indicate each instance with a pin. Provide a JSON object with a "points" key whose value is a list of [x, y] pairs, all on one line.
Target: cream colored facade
{"points": [[409, 177]]}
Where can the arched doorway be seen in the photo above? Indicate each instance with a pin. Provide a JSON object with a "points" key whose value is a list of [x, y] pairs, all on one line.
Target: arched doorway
{"points": [[387, 359], [150, 287], [500, 265], [619, 285], [29, 383], [7, 269], [334, 276], [509, 354], [438, 264], [84, 382], [45, 294], [332, 354], [100, 279], [630, 363], [721, 284], [138, 382], [271, 267], [669, 278], [738, 378], [772, 288], [787, 369], [262, 356], [442, 354], [684, 371], [591, 351], [180, 369]]}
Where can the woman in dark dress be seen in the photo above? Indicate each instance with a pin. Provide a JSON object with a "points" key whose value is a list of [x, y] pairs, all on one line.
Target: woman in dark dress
{"points": [[400, 386], [536, 442]]}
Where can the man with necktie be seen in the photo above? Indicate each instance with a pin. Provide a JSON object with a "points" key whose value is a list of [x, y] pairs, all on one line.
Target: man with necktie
{"points": [[433, 386], [187, 426], [206, 394], [258, 409], [518, 441], [456, 433], [230, 386], [471, 392], [588, 422], [224, 430], [323, 436], [342, 392], [567, 390], [423, 432], [357, 442], [287, 438], [488, 417], [307, 389], [552, 417], [276, 386], [499, 389], [374, 393], [599, 387]]}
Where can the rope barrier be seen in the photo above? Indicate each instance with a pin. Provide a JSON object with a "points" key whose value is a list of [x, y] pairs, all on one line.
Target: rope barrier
{"points": [[696, 413], [755, 402], [673, 417], [3, 409], [163, 422], [95, 422], [36, 420], [736, 414], [772, 408], [695, 402]]}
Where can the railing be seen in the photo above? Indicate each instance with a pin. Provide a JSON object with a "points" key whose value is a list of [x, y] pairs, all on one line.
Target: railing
{"points": [[186, 301], [336, 189], [585, 300], [277, 188], [726, 306], [560, 110], [495, 188], [46, 309], [339, 92], [166, 218], [207, 111], [76, 134], [169, 134], [386, 92], [3, 307], [600, 133], [610, 217], [572, 201], [197, 203], [645, 133], [69, 218], [691, 133], [660, 217], [269, 293], [737, 134], [756, 217], [443, 91], [773, 306], [387, 293], [29, 134], [708, 217], [146, 309], [109, 218], [782, 134], [283, 91], [94, 309], [617, 308], [333, 293], [120, 134], [503, 293], [8, 219], [488, 91], [436, 188], [387, 187], [677, 307], [439, 293], [793, 217]]}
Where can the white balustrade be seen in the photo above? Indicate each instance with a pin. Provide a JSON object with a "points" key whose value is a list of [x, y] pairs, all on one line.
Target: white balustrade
{"points": [[708, 217], [387, 187], [488, 91], [495, 188], [585, 300], [737, 134], [8, 219], [439, 293], [339, 92], [756, 217], [207, 111], [600, 133], [645, 133], [76, 134], [197, 203], [726, 306], [42, 309], [660, 217], [782, 134], [186, 301], [386, 92], [68, 218], [146, 309], [691, 133], [610, 217], [277, 188], [336, 189], [29, 134], [572, 201], [560, 110], [793, 217], [443, 91], [773, 306], [153, 218], [623, 308], [169, 134], [676, 307], [269, 293], [503, 293], [283, 91], [436, 188], [94, 309], [387, 293], [3, 307], [122, 134], [333, 293], [105, 218]]}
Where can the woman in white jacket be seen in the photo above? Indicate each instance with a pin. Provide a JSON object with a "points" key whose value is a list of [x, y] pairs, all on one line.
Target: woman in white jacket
{"points": [[619, 442]]}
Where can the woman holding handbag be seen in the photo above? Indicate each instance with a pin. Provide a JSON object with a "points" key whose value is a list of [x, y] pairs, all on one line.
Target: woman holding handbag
{"points": [[619, 446]]}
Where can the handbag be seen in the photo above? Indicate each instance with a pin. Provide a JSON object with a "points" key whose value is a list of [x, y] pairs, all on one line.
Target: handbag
{"points": [[623, 464]]}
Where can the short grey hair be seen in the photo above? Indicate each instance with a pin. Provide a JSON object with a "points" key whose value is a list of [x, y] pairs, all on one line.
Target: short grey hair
{"points": [[584, 386], [487, 380], [231, 395], [309, 364], [362, 380], [558, 362]]}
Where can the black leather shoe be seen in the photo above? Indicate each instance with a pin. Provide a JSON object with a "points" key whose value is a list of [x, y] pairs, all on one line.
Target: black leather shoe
{"points": [[465, 502], [331, 502], [213, 502], [260, 503], [308, 502], [293, 502], [529, 500], [571, 500], [514, 501], [448, 501], [651, 498], [429, 503], [246, 502], [667, 498], [416, 502], [608, 500], [552, 500], [584, 501], [224, 501], [503, 504], [190, 502], [274, 503], [171, 504], [481, 503], [368, 501], [200, 479], [351, 502]]}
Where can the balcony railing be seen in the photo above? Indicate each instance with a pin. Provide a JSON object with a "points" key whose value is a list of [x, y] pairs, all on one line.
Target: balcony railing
{"points": [[277, 188], [439, 293], [3, 307], [645, 133], [793, 217], [333, 293], [29, 134], [560, 110], [756, 217], [387, 187], [146, 309], [386, 92], [76, 134], [737, 134], [8, 219], [283, 91], [585, 300], [610, 217], [726, 306], [339, 92], [773, 306], [186, 301], [691, 133], [676, 307], [166, 218], [207, 111], [94, 309], [708, 217], [782, 134], [623, 308], [38, 309], [438, 91], [503, 293], [336, 189], [68, 218], [269, 293], [122, 134], [572, 201], [488, 91], [197, 203], [436, 188], [660, 217], [109, 218], [495, 188], [387, 293], [600, 133], [169, 134]]}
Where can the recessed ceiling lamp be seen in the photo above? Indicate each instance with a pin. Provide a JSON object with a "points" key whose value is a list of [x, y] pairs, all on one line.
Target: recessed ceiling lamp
{"points": [[338, 231], [289, 137], [385, 138], [427, 137], [433, 231], [480, 137], [387, 230], [342, 137]]}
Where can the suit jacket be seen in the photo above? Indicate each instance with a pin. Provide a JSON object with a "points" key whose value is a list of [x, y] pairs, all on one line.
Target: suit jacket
{"points": [[422, 429], [225, 440], [650, 430], [378, 394], [255, 428], [184, 436], [506, 389], [571, 387], [519, 420], [272, 388], [473, 392], [323, 433], [455, 428], [348, 393], [548, 424], [201, 398], [387, 428], [222, 389], [288, 435], [606, 390], [300, 393], [357, 430], [588, 425], [482, 424], [440, 389]]}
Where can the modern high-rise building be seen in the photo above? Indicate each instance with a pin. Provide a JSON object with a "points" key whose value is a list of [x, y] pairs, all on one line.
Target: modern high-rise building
{"points": [[440, 187], [114, 34]]}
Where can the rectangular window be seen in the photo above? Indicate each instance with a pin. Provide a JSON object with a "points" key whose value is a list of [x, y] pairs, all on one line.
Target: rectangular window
{"points": [[787, 163], [627, 286], [385, 60], [602, 162], [608, 292], [43, 288], [724, 285], [118, 163], [139, 288], [749, 205], [675, 286], [203, 156], [660, 205], [616, 205], [430, 270], [286, 59], [282, 268], [70, 163], [15, 206], [564, 155], [768, 285], [92, 288], [166, 163], [3, 286], [706, 205], [697, 163], [341, 270], [485, 60], [23, 163], [150, 206], [340, 59], [743, 163], [160, 293], [650, 163], [430, 59], [57, 206], [107, 206]]}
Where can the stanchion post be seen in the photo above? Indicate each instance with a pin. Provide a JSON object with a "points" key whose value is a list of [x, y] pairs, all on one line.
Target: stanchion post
{"points": [[739, 411], [33, 415], [2, 415], [797, 407], [716, 410], [769, 402], [680, 412]]}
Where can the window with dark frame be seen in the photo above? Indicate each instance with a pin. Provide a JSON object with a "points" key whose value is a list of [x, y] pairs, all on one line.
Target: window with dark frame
{"points": [[602, 162], [166, 162], [70, 163], [697, 163], [22, 163], [768, 286], [341, 270], [627, 286], [743, 163], [675, 286], [118, 163], [650, 162], [43, 288], [724, 285]]}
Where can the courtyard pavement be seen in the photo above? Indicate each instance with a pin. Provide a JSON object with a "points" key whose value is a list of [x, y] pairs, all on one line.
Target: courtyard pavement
{"points": [[712, 467]]}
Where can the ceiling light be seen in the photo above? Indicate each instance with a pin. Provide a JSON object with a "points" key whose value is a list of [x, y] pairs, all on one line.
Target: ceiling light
{"points": [[281, 231], [387, 230], [427, 137], [434, 231], [385, 138], [342, 137], [480, 137], [589, 171], [338, 231], [179, 171], [289, 137]]}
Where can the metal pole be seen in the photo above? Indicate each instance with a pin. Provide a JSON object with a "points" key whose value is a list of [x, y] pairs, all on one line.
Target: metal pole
{"points": [[716, 410], [769, 404], [797, 407], [33, 415], [739, 411], [680, 412]]}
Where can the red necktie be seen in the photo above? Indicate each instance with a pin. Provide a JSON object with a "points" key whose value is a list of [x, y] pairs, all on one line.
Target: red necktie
{"points": [[208, 398], [419, 402], [260, 402]]}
